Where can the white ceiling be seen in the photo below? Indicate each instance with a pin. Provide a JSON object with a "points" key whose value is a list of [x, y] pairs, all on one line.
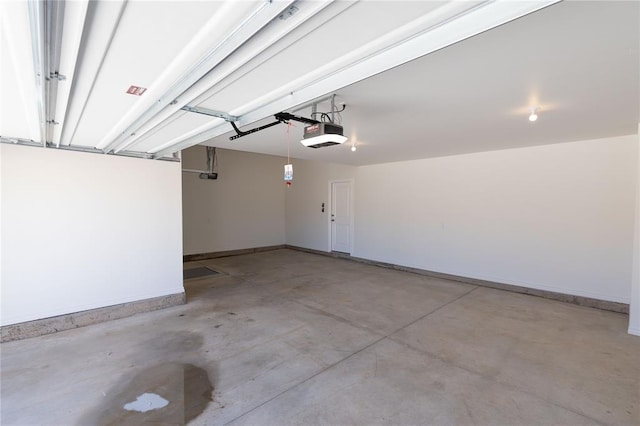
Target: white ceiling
{"points": [[469, 90], [577, 60]]}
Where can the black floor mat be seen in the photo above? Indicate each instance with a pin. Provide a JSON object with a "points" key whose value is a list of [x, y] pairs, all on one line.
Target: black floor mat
{"points": [[198, 272]]}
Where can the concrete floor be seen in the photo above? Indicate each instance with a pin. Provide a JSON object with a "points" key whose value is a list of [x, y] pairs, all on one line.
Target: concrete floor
{"points": [[287, 337]]}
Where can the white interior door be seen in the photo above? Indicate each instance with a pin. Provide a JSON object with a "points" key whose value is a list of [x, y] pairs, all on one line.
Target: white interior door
{"points": [[341, 217]]}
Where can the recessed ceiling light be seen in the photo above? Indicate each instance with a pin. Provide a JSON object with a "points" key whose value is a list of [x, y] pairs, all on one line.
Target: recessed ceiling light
{"points": [[353, 148], [534, 114]]}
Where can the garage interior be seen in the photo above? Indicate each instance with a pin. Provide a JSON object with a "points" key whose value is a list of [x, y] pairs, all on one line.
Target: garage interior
{"points": [[469, 255]]}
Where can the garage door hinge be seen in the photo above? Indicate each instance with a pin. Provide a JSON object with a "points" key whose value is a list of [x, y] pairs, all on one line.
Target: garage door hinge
{"points": [[56, 75]]}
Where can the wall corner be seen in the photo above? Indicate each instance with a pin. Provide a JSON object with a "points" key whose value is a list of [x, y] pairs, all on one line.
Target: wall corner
{"points": [[634, 306]]}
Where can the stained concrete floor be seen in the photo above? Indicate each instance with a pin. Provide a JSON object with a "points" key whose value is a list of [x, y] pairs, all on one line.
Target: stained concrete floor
{"points": [[287, 337]]}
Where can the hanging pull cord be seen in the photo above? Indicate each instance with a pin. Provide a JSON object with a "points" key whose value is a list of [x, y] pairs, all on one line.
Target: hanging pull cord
{"points": [[288, 168], [289, 125]]}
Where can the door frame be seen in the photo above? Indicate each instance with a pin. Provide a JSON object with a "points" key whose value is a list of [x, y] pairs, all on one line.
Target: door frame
{"points": [[351, 210]]}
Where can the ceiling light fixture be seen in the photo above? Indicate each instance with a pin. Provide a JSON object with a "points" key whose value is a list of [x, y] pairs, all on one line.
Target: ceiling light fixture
{"points": [[323, 134], [534, 114], [353, 147]]}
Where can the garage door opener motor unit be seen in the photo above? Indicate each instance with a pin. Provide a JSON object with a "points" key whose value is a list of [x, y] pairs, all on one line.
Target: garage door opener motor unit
{"points": [[317, 134], [323, 134]]}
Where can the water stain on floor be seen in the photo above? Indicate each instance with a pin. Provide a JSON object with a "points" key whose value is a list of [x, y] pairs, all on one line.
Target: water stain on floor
{"points": [[182, 341], [186, 388]]}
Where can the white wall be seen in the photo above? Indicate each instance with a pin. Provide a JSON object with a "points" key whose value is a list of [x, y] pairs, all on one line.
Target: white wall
{"points": [[634, 317], [307, 225], [556, 217], [243, 208], [82, 231]]}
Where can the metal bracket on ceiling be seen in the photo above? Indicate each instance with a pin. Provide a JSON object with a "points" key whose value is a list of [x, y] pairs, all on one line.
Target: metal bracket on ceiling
{"points": [[285, 116], [31, 142], [281, 117], [46, 21], [240, 133], [19, 141], [211, 113], [288, 13], [57, 76]]}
